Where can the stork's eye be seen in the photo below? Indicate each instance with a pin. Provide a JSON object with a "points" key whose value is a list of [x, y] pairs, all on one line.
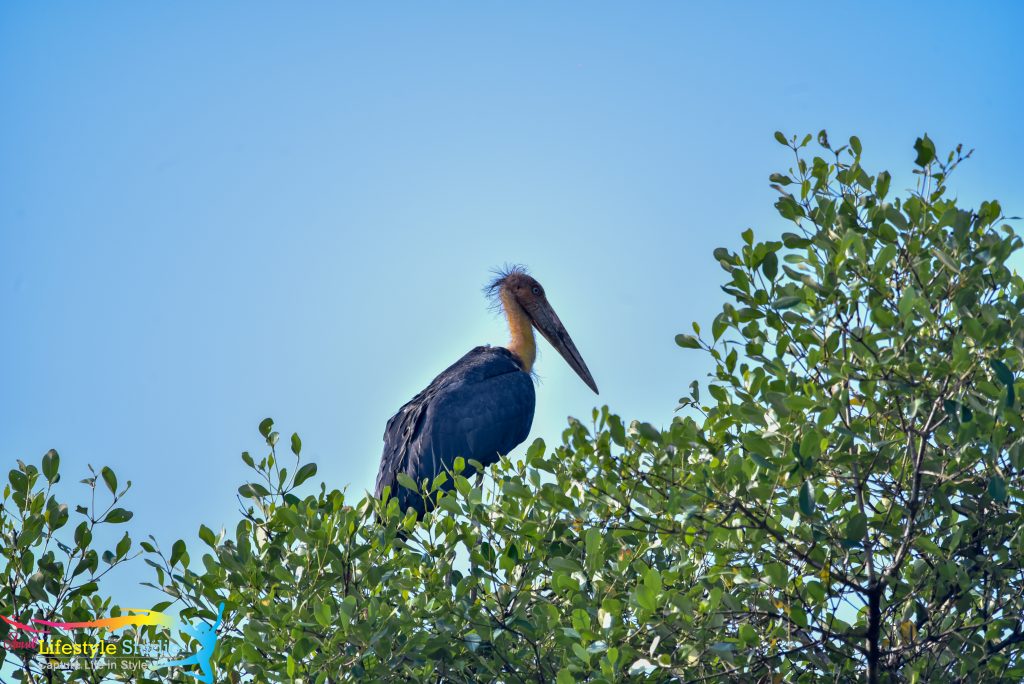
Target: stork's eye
{"points": [[536, 290]]}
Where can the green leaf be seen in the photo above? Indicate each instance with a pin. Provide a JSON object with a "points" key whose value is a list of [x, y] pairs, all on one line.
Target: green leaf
{"points": [[407, 482], [307, 471], [296, 443], [647, 431], [646, 598], [787, 302], [770, 266], [687, 341], [83, 535], [641, 666], [714, 599], [265, 426], [253, 490], [997, 488], [593, 544], [123, 546], [857, 527], [925, 149], [778, 573], [762, 461], [807, 503], [755, 443], [1005, 376], [562, 563], [35, 587], [883, 317], [928, 546], [884, 256], [810, 447], [51, 464], [882, 184], [781, 138], [118, 515], [323, 616], [207, 535], [617, 430], [56, 515], [110, 479], [177, 552], [652, 578], [946, 260], [794, 241], [719, 325], [1002, 372]]}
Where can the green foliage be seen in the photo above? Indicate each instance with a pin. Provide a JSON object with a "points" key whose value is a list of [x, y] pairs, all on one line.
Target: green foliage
{"points": [[50, 567], [844, 503], [840, 500]]}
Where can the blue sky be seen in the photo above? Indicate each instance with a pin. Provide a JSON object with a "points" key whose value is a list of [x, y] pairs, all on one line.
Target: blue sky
{"points": [[213, 213]]}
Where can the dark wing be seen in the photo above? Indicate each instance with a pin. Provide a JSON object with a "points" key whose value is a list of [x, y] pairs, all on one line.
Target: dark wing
{"points": [[479, 408]]}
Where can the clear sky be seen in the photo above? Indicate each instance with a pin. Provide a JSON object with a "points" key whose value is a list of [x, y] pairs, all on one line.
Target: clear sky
{"points": [[211, 213]]}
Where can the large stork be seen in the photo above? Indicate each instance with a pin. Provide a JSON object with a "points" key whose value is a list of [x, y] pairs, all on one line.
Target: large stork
{"points": [[481, 407]]}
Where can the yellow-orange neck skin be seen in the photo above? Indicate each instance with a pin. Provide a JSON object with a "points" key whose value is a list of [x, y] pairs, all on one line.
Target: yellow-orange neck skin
{"points": [[522, 343]]}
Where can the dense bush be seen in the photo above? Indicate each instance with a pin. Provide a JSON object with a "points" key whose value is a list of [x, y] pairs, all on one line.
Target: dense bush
{"points": [[50, 568], [840, 500]]}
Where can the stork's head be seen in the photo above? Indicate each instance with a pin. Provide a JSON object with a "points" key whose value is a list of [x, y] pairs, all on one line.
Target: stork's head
{"points": [[519, 292]]}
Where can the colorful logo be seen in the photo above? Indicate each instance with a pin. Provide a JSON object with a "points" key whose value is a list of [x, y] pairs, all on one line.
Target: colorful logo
{"points": [[205, 636]]}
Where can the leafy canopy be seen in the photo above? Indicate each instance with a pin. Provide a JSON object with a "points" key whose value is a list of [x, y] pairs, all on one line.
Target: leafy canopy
{"points": [[841, 497]]}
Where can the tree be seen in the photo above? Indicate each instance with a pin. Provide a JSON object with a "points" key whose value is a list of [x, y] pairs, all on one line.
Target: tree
{"points": [[843, 505], [49, 572], [839, 501]]}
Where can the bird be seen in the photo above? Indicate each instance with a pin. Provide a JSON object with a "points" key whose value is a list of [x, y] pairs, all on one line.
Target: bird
{"points": [[481, 407]]}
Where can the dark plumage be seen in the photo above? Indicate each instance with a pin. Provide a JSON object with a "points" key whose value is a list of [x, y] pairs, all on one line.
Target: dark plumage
{"points": [[479, 408], [482, 406]]}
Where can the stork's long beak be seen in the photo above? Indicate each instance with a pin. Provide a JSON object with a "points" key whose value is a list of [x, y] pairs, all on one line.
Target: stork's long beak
{"points": [[546, 321]]}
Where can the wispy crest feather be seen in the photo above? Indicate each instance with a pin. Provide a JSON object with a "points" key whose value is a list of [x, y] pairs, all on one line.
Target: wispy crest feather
{"points": [[493, 289]]}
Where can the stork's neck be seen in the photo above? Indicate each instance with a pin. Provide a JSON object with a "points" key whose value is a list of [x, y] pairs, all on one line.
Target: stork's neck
{"points": [[522, 343]]}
